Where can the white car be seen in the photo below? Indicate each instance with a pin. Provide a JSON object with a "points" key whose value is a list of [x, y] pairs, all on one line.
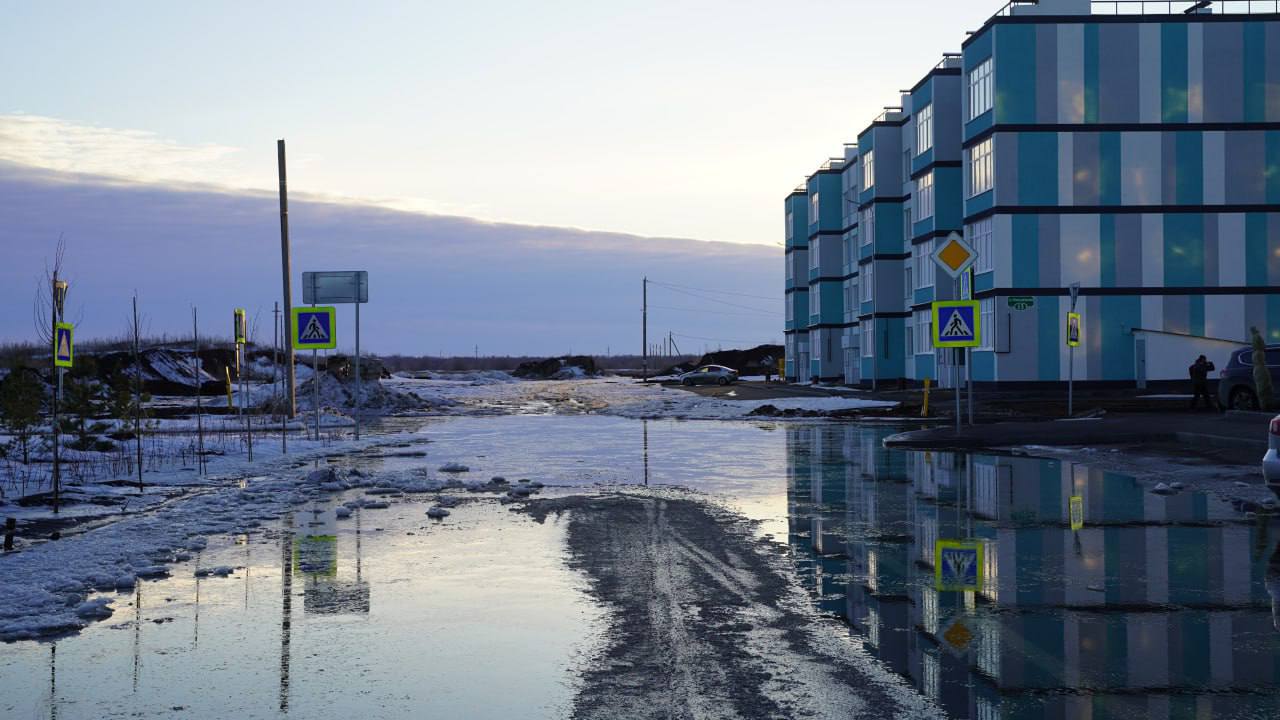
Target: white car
{"points": [[1271, 461]]}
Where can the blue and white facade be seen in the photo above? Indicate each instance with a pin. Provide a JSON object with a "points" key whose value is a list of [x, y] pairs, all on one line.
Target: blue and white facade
{"points": [[796, 332], [1137, 155]]}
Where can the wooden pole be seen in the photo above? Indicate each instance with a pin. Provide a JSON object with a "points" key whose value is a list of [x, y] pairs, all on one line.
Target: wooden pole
{"points": [[290, 375]]}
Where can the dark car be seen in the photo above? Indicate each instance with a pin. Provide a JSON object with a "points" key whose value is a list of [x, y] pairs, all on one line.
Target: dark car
{"points": [[1235, 385]]}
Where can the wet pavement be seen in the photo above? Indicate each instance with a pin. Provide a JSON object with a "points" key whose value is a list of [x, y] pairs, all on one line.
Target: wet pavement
{"points": [[1158, 607]]}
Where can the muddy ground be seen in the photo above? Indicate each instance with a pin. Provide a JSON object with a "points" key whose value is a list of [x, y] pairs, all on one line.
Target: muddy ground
{"points": [[704, 622]]}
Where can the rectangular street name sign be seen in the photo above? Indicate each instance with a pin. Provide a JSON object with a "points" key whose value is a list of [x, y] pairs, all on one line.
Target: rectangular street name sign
{"points": [[1021, 302], [335, 286]]}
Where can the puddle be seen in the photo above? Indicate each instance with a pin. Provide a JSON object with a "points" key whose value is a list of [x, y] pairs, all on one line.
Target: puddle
{"points": [[1157, 607], [330, 618]]}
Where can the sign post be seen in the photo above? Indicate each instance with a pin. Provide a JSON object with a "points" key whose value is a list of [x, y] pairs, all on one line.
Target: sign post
{"points": [[1073, 339], [956, 325], [314, 328], [348, 287], [956, 257]]}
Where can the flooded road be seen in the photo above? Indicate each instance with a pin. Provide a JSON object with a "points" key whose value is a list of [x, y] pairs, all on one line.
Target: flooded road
{"points": [[1157, 607]]}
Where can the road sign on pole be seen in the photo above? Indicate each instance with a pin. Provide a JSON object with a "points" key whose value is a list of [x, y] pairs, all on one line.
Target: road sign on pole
{"points": [[954, 255], [1073, 329], [957, 565], [347, 287], [315, 328], [955, 323], [241, 329], [63, 345]]}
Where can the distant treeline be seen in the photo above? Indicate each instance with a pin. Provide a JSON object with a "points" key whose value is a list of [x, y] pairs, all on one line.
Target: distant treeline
{"points": [[397, 363]]}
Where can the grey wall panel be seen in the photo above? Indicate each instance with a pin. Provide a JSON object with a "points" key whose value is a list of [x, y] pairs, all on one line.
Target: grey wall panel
{"points": [[1273, 249], [1272, 54], [1244, 153], [1195, 72], [1092, 344], [1168, 159], [1086, 175], [1177, 314], [1211, 249], [1050, 251], [1223, 72], [1128, 250], [1149, 107], [1047, 73], [1118, 79], [1214, 172], [1141, 178], [1070, 73], [1255, 314]]}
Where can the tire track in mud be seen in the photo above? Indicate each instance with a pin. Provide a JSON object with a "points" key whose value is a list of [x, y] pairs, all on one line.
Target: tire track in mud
{"points": [[705, 622]]}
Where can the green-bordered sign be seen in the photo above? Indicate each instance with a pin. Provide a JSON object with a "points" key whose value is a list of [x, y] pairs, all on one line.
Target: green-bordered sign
{"points": [[315, 328], [955, 323], [957, 565], [1073, 329], [63, 345], [1077, 512], [241, 328], [1022, 302]]}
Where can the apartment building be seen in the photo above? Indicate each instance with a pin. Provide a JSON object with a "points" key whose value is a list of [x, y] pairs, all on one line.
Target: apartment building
{"points": [[1129, 148]]}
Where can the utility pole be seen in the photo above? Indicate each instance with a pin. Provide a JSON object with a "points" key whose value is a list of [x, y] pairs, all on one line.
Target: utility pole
{"points": [[644, 330], [137, 392], [290, 375], [58, 298]]}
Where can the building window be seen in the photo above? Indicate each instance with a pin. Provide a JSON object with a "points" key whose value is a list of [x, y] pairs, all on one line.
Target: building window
{"points": [[910, 334], [981, 177], [924, 330], [813, 209], [867, 229], [869, 170], [814, 255], [980, 96], [868, 338], [987, 324], [790, 228], [908, 290], [924, 129], [924, 196], [868, 278], [815, 301], [906, 165], [922, 257], [980, 240]]}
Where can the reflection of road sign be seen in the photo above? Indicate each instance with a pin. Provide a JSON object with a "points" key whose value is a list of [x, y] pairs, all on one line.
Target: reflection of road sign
{"points": [[957, 637], [1073, 329], [955, 323], [335, 286], [63, 345], [954, 255], [1077, 512], [240, 329], [1021, 302], [957, 565], [314, 328]]}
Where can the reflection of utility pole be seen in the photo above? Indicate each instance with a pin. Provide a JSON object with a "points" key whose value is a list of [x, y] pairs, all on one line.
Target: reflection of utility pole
{"points": [[53, 681], [286, 607], [646, 452], [137, 632]]}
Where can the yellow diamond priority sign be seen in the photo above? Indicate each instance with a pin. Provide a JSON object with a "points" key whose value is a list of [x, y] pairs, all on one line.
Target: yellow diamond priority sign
{"points": [[954, 255]]}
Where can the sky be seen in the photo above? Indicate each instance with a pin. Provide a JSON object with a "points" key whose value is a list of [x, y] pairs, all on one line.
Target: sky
{"points": [[633, 121]]}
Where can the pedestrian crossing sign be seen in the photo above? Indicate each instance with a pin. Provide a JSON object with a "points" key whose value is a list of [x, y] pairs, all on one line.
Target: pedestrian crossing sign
{"points": [[1073, 329], [314, 328], [63, 345], [955, 323], [1076, 506], [957, 565]]}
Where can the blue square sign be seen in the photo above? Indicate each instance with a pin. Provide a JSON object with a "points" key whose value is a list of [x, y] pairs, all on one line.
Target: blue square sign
{"points": [[315, 328], [957, 565], [955, 323]]}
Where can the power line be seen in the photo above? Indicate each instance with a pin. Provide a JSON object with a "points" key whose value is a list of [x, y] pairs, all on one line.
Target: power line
{"points": [[697, 337], [716, 292], [718, 300], [713, 312]]}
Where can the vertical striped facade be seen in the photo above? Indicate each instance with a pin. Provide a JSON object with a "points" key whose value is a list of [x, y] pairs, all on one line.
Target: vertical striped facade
{"points": [[796, 331], [1135, 155]]}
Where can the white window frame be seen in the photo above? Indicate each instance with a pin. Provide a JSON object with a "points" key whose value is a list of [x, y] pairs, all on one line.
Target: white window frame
{"points": [[868, 282], [981, 168], [869, 170], [868, 338], [909, 289], [813, 208], [926, 271], [987, 324], [924, 331], [867, 228], [924, 129], [815, 256], [910, 335], [981, 97], [979, 236], [924, 196]]}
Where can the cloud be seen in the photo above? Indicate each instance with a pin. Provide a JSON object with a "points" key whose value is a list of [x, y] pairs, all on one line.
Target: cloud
{"points": [[437, 283]]}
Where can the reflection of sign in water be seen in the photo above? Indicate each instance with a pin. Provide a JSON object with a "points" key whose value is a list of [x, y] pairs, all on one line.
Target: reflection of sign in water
{"points": [[63, 347], [1073, 329], [957, 565], [315, 556], [955, 323], [1077, 512], [957, 637], [313, 328]]}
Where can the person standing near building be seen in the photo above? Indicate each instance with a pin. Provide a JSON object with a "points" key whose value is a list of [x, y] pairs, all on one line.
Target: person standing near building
{"points": [[1199, 372], [767, 363]]}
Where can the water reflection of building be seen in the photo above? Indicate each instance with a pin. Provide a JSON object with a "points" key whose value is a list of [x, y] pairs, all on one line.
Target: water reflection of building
{"points": [[1157, 608]]}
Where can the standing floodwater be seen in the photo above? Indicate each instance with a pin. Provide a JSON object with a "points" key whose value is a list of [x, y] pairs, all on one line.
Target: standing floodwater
{"points": [[1157, 608]]}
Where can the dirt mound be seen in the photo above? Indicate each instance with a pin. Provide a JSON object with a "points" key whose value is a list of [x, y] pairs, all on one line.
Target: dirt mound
{"points": [[746, 362], [567, 367]]}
